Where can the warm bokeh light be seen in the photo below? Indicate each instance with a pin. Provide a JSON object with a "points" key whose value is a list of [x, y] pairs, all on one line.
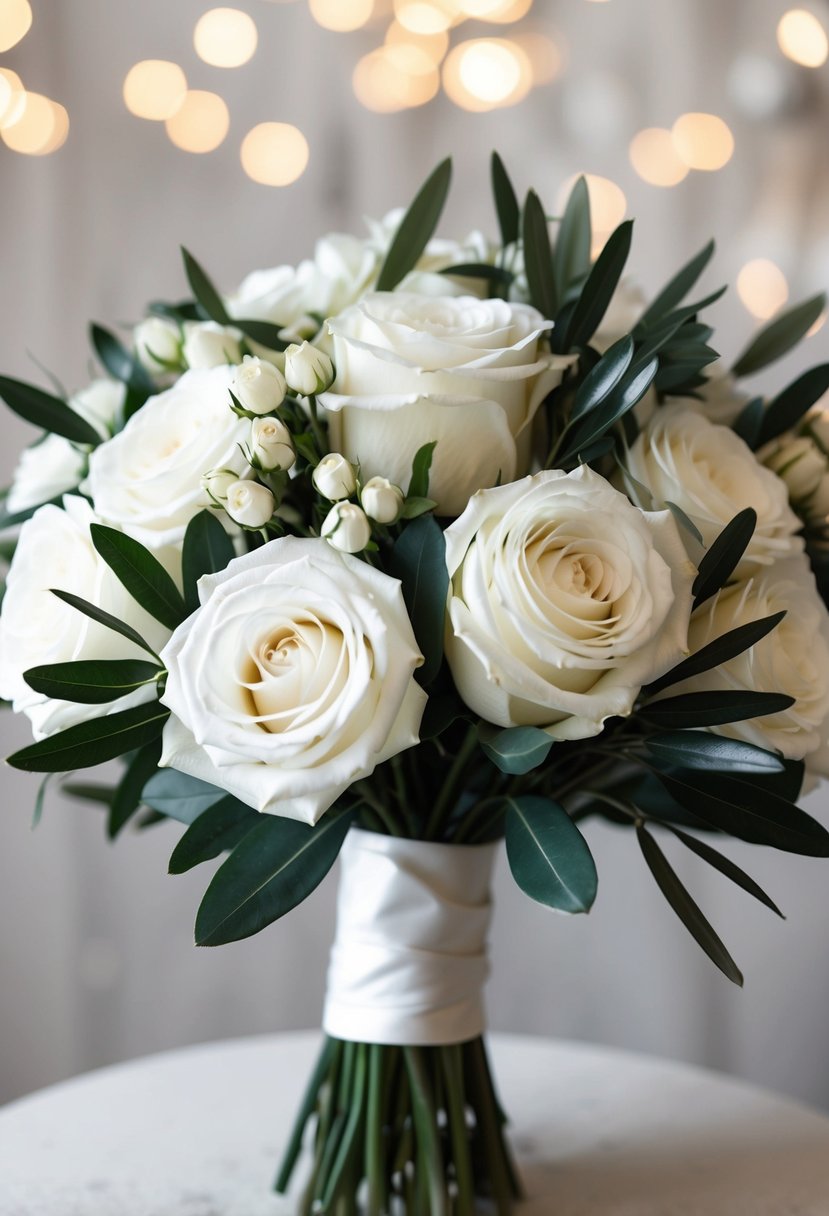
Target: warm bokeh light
{"points": [[762, 287], [15, 22], [487, 73], [341, 15], [544, 54], [393, 78], [703, 141], [225, 37], [274, 153], [200, 123], [802, 38], [655, 158], [40, 128], [435, 45], [423, 16], [154, 89], [500, 11], [12, 96]]}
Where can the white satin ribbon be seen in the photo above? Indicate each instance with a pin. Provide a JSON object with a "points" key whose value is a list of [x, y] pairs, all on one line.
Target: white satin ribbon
{"points": [[409, 961]]}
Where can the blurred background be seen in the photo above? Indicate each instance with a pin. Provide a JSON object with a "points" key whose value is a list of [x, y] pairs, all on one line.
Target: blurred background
{"points": [[129, 129]]}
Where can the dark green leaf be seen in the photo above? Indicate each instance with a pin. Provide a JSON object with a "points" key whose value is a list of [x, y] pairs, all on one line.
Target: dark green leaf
{"points": [[91, 681], [40, 800], [599, 288], [603, 378], [571, 259], [218, 830], [416, 228], [749, 422], [204, 291], [713, 753], [538, 257], [127, 798], [119, 362], [89, 791], [516, 749], [141, 573], [103, 618], [787, 784], [789, 406], [713, 708], [506, 202], [263, 332], [684, 521], [677, 289], [93, 742], [275, 867], [180, 796], [723, 648], [630, 389], [779, 336], [421, 465], [685, 907], [418, 560], [47, 412], [480, 270], [722, 558], [207, 549], [442, 709], [727, 867], [548, 855]]}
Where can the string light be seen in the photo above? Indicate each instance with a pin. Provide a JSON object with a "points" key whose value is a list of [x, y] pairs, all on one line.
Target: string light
{"points": [[487, 73], [397, 77], [12, 97], [654, 157], [423, 16], [200, 123], [341, 15], [544, 54], [435, 45], [802, 38], [41, 127], [154, 89], [762, 287], [703, 141], [15, 22], [225, 37], [274, 154], [501, 12]]}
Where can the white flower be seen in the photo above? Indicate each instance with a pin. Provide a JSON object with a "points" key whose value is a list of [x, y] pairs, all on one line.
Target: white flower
{"points": [[293, 680], [249, 504], [792, 659], [711, 474], [100, 403], [55, 550], [259, 386], [467, 373], [208, 344], [381, 500], [346, 526], [148, 478], [627, 304], [799, 462], [271, 445], [564, 601], [157, 343], [308, 370], [334, 477], [217, 482]]}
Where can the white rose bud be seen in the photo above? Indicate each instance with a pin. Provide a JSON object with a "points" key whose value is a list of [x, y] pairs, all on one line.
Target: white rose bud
{"points": [[334, 477], [799, 462], [346, 527], [157, 343], [250, 504], [381, 500], [818, 507], [259, 386], [271, 446], [308, 370], [816, 424], [207, 344], [217, 483]]}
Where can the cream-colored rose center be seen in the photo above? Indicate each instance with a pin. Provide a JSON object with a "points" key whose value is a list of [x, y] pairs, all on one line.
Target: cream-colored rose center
{"points": [[577, 586], [292, 670]]}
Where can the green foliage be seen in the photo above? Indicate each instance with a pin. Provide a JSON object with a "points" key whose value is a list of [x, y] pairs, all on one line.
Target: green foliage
{"points": [[47, 412], [421, 467], [538, 257], [789, 406], [700, 709], [517, 749], [721, 560], [123, 366], [418, 560], [207, 549], [141, 574], [548, 855], [506, 202], [779, 336], [696, 749], [91, 681], [93, 742], [212, 304], [416, 228], [595, 424], [571, 257], [127, 797], [180, 796], [602, 378], [675, 291], [217, 830], [104, 618], [724, 865], [597, 292], [723, 648]]}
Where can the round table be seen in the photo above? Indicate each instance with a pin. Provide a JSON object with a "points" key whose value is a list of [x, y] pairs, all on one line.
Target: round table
{"points": [[198, 1133]]}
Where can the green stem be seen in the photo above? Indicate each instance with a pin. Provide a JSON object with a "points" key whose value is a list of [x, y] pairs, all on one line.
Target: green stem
{"points": [[453, 1076], [380, 809], [429, 1172], [374, 1130], [450, 791], [309, 1101]]}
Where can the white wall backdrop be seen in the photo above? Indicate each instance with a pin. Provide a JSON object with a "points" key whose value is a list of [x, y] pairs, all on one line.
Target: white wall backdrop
{"points": [[96, 955]]}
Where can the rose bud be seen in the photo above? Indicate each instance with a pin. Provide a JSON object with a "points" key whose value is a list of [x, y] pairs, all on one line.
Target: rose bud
{"points": [[308, 370], [217, 482], [250, 504], [259, 387], [346, 527], [207, 344], [158, 344], [334, 477], [381, 500], [271, 446]]}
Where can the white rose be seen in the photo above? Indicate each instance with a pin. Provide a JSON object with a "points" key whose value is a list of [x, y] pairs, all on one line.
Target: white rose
{"points": [[217, 482], [467, 373], [55, 550], [626, 306], [711, 474], [295, 676], [792, 659], [308, 370], [347, 528], [258, 386], [148, 478], [334, 477], [799, 462], [100, 403], [157, 342], [381, 500], [271, 445], [249, 504], [564, 601], [207, 344]]}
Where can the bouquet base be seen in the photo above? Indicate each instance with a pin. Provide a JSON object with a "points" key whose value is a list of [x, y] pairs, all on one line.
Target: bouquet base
{"points": [[402, 1131]]}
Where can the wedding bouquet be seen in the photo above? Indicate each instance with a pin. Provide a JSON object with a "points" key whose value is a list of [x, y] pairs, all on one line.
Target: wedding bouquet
{"points": [[415, 547]]}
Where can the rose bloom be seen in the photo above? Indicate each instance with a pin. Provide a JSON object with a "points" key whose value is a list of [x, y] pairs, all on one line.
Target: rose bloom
{"points": [[148, 479], [294, 679], [792, 659], [565, 600], [711, 474], [467, 373], [55, 550]]}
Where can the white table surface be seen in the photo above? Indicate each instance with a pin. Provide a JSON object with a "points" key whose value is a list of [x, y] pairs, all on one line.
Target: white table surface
{"points": [[198, 1133]]}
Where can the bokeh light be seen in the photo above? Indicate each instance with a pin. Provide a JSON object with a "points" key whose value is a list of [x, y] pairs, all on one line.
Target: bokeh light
{"points": [[802, 38], [274, 153], [397, 77], [15, 22], [41, 127], [200, 123], [12, 96], [487, 73], [435, 45], [608, 205], [341, 15], [545, 56], [423, 16], [703, 141], [762, 287], [655, 158], [225, 37], [154, 89], [501, 12]]}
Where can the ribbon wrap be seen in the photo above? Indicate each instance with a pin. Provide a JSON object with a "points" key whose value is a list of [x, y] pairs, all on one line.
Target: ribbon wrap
{"points": [[409, 959]]}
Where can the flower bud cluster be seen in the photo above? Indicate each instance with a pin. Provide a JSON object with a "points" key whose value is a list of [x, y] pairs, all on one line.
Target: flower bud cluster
{"points": [[348, 525], [801, 458]]}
